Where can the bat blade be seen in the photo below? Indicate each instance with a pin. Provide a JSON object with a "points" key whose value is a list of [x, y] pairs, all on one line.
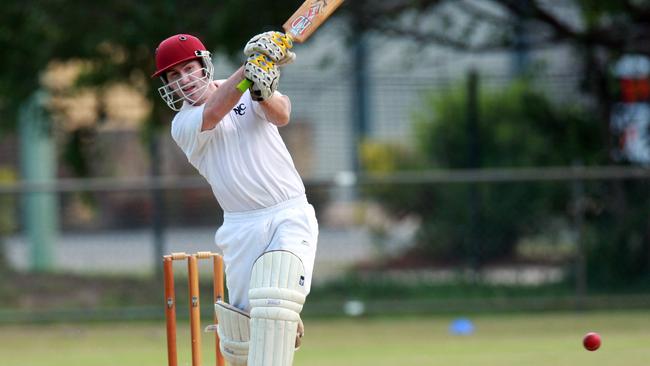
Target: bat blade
{"points": [[310, 15]]}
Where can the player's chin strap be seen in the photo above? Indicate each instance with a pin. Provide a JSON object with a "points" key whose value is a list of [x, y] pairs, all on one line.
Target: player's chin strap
{"points": [[276, 295]]}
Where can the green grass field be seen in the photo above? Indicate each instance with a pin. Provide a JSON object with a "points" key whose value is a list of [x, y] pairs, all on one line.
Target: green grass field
{"points": [[506, 339]]}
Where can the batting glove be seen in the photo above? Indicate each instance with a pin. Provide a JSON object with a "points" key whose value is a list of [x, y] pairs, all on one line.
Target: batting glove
{"points": [[275, 45], [264, 74]]}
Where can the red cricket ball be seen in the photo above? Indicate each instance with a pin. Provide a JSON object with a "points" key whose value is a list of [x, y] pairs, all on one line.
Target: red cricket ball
{"points": [[591, 341]]}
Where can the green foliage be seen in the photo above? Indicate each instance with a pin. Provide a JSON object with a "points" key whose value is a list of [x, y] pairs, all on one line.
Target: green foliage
{"points": [[374, 286], [118, 37], [518, 127], [598, 12], [7, 204], [383, 158], [617, 234], [8, 222]]}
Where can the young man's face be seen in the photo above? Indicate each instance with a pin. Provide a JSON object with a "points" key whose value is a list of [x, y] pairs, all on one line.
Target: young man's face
{"points": [[186, 79]]}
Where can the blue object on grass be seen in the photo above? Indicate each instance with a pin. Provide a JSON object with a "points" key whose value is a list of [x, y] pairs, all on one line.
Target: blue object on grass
{"points": [[461, 326]]}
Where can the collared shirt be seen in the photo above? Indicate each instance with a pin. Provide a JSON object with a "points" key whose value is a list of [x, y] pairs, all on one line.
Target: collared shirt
{"points": [[243, 157]]}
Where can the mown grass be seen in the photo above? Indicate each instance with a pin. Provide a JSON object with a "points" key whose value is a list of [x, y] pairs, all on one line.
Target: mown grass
{"points": [[531, 339]]}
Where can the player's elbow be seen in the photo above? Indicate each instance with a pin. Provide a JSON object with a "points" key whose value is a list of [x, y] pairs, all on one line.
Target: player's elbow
{"points": [[279, 112], [286, 115], [282, 119]]}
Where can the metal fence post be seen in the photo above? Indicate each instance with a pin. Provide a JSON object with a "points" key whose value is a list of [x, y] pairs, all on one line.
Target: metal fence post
{"points": [[38, 164]]}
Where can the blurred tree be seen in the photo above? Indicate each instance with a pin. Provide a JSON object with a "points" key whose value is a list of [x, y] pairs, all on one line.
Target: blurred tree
{"points": [[600, 31], [114, 42], [618, 26], [520, 128], [118, 38], [617, 235]]}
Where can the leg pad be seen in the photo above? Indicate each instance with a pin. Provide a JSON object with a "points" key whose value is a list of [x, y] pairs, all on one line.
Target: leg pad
{"points": [[234, 333], [276, 294]]}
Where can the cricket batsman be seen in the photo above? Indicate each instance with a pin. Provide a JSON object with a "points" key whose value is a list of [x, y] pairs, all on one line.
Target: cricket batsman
{"points": [[269, 234]]}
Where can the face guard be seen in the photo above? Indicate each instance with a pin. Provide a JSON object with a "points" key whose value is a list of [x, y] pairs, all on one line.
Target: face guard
{"points": [[174, 93]]}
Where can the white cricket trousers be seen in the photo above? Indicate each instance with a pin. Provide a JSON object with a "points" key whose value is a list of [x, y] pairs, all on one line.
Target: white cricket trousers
{"points": [[245, 236]]}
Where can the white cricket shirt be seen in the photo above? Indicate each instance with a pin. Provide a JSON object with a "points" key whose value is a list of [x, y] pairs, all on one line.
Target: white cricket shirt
{"points": [[243, 157]]}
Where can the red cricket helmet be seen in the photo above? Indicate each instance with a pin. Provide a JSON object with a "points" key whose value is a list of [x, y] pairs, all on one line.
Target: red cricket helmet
{"points": [[177, 49]]}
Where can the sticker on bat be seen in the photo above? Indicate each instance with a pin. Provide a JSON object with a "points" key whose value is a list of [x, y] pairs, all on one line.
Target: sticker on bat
{"points": [[299, 25]]}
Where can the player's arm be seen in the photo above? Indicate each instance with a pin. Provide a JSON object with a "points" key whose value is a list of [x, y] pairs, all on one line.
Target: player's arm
{"points": [[222, 100], [265, 52], [277, 109]]}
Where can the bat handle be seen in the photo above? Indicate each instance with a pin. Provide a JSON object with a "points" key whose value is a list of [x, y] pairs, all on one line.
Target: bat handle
{"points": [[244, 85]]}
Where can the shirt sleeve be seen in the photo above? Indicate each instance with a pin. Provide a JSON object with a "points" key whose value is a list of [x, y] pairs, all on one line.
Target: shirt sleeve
{"points": [[186, 131]]}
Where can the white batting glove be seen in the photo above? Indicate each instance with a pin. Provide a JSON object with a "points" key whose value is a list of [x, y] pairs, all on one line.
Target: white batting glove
{"points": [[264, 74], [276, 45]]}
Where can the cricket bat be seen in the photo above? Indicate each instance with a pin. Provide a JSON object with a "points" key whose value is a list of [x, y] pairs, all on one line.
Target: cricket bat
{"points": [[300, 26]]}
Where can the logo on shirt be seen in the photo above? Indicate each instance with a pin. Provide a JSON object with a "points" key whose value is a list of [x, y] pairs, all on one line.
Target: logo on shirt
{"points": [[240, 109]]}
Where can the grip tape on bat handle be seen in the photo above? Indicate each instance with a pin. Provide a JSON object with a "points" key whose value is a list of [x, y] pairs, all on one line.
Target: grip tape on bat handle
{"points": [[244, 85]]}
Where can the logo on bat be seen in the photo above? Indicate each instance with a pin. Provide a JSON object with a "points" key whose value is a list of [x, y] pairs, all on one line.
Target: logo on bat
{"points": [[303, 22]]}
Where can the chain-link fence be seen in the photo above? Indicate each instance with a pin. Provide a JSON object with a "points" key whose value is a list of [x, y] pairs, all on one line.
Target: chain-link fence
{"points": [[561, 229]]}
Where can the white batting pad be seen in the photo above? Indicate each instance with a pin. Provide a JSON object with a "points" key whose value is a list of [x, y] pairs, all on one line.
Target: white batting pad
{"points": [[276, 295], [234, 333]]}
